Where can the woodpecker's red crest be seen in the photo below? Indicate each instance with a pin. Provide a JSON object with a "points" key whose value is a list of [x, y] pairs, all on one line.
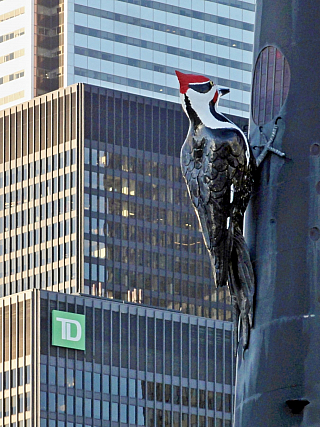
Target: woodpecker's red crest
{"points": [[186, 79]]}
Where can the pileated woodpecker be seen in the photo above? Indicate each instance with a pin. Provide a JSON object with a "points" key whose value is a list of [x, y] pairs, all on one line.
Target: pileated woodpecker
{"points": [[218, 166]]}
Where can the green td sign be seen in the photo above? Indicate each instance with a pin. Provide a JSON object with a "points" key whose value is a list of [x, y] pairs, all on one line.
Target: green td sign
{"points": [[68, 330]]}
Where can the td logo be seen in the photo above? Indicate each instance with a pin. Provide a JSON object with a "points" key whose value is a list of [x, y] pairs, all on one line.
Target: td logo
{"points": [[68, 330]]}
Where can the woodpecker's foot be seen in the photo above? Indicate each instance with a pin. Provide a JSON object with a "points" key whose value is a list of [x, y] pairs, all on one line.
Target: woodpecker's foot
{"points": [[267, 147]]}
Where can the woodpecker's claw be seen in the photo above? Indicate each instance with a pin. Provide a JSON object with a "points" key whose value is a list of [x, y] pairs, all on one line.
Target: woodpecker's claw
{"points": [[267, 146]]}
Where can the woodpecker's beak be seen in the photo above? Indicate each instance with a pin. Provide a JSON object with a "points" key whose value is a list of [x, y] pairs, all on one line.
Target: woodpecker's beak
{"points": [[223, 92]]}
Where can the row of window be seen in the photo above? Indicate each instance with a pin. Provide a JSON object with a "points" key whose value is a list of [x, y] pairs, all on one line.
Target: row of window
{"points": [[12, 97], [137, 296], [12, 55], [133, 187], [153, 284], [11, 77], [36, 191], [151, 66], [43, 280], [157, 47], [134, 164], [149, 236], [26, 423], [12, 35], [157, 26], [158, 283], [138, 416], [144, 258], [15, 377], [195, 14], [132, 388], [15, 404], [123, 81], [37, 236], [12, 14], [198, 307], [130, 209], [37, 168], [37, 259], [38, 213]]}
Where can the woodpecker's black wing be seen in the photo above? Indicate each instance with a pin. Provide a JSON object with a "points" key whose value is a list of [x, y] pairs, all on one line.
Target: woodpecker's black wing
{"points": [[218, 177]]}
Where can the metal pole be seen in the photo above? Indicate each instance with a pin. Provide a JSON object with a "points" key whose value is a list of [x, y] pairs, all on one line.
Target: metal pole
{"points": [[278, 377]]}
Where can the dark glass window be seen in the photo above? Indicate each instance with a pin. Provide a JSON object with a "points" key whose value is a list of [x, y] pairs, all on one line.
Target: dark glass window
{"points": [[219, 354], [168, 347], [97, 382], [132, 387], [88, 408], [185, 396], [115, 412], [194, 397], [79, 406], [70, 405], [151, 343], [79, 381], [97, 409], [88, 381], [123, 386], [105, 410], [176, 348], [114, 385], [52, 402]]}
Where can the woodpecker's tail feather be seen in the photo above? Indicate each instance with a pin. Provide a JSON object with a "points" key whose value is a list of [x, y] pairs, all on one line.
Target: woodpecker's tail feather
{"points": [[241, 285], [220, 258]]}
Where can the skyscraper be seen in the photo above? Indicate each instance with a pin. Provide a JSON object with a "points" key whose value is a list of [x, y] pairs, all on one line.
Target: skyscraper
{"points": [[128, 45], [80, 361]]}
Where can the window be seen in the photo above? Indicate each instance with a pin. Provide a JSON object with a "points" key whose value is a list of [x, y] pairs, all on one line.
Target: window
{"points": [[97, 409], [105, 384], [88, 381], [79, 383], [114, 412], [114, 385], [73, 156], [97, 382], [132, 387], [61, 403], [123, 386], [87, 408], [105, 410], [141, 417], [79, 406], [70, 405], [132, 414]]}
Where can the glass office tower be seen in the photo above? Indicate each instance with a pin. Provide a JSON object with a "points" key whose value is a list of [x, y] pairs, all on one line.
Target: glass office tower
{"points": [[128, 45], [133, 367], [92, 200]]}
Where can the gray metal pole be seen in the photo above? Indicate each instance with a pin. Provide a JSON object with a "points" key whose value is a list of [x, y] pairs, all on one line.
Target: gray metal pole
{"points": [[278, 377]]}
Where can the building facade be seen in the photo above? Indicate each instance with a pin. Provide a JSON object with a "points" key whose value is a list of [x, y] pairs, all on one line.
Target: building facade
{"points": [[128, 45], [134, 368], [92, 200], [17, 47]]}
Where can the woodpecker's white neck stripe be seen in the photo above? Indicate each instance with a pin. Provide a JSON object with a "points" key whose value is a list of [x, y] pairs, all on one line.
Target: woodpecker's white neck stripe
{"points": [[200, 104]]}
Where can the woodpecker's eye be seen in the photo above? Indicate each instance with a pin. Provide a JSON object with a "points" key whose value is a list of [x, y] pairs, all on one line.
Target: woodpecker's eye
{"points": [[201, 87]]}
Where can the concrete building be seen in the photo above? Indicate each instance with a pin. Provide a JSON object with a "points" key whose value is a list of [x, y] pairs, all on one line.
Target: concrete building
{"points": [[128, 45], [74, 360]]}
